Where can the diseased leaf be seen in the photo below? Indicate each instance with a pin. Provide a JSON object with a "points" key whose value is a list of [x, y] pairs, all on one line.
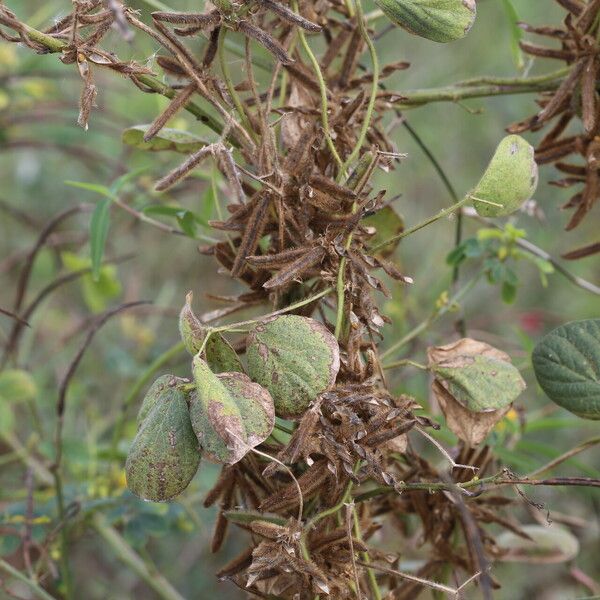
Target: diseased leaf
{"points": [[164, 456], [510, 179], [230, 414], [478, 375], [567, 366], [548, 545], [190, 328], [220, 356], [387, 224], [163, 389], [475, 385], [99, 225], [165, 139], [295, 358]]}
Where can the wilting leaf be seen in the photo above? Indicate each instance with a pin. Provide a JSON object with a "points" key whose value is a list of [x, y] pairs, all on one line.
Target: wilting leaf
{"points": [[295, 358], [165, 139], [478, 375], [509, 180], [220, 356], [230, 414], [475, 385], [547, 545], [190, 328], [17, 385], [163, 389], [567, 366], [164, 456], [436, 20], [387, 223]]}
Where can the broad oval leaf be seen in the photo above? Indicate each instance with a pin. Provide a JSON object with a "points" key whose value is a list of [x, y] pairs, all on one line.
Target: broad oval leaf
{"points": [[480, 377], [510, 179], [295, 358], [165, 139], [436, 20], [165, 455], [567, 366], [547, 545], [163, 389], [230, 414], [220, 355]]}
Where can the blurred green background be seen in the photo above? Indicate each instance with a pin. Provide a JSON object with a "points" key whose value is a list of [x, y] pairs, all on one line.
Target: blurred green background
{"points": [[41, 148]]}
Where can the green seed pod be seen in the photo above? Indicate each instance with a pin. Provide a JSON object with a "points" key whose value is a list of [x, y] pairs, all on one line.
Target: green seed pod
{"points": [[437, 20], [295, 358], [164, 455], [567, 366], [230, 414], [190, 328], [509, 180]]}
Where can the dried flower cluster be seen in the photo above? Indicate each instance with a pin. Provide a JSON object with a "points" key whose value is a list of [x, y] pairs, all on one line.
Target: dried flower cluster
{"points": [[573, 109]]}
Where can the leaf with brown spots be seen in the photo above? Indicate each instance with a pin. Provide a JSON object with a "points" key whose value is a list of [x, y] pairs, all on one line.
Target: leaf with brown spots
{"points": [[165, 455], [230, 414]]}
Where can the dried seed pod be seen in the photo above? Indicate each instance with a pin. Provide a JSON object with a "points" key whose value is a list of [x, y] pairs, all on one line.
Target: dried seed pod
{"points": [[165, 455], [509, 180], [295, 358], [230, 414], [436, 20], [190, 328]]}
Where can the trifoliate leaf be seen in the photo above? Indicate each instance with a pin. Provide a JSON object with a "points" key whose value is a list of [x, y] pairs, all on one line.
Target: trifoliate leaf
{"points": [[230, 414], [220, 356], [190, 328], [295, 358], [510, 179], [567, 366], [165, 455]]}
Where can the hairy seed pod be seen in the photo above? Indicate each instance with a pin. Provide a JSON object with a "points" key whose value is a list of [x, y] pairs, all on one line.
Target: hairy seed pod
{"points": [[436, 20]]}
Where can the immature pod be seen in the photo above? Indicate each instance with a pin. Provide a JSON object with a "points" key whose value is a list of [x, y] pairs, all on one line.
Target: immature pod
{"points": [[436, 20], [509, 180]]}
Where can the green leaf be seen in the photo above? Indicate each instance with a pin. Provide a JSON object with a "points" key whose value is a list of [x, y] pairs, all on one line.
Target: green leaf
{"points": [[516, 33], [478, 376], [165, 139], [387, 223], [567, 366], [191, 330], [220, 356], [509, 292], [92, 187], [295, 358], [17, 385], [164, 389], [164, 456], [437, 20], [230, 414], [547, 545], [118, 184], [509, 180], [99, 225]]}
